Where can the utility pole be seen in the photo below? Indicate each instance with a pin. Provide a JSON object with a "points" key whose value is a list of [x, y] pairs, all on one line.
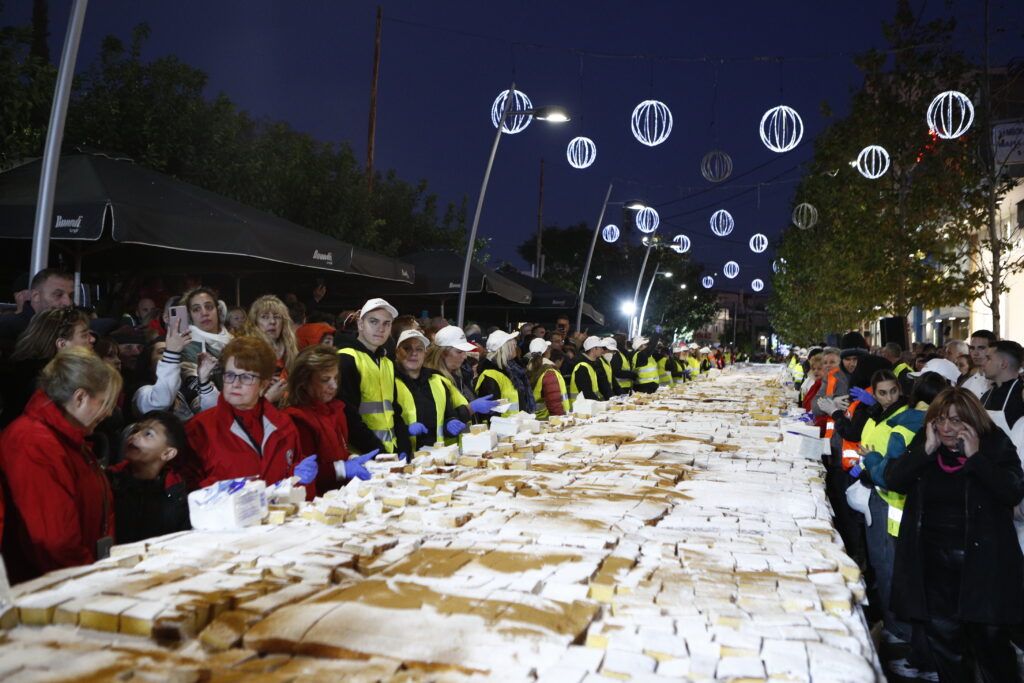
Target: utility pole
{"points": [[538, 268], [373, 101], [988, 158]]}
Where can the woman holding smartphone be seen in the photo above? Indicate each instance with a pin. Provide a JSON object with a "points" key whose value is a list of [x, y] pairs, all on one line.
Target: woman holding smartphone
{"points": [[209, 337], [958, 569]]}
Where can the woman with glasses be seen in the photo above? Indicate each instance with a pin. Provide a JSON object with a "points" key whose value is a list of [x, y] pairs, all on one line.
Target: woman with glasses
{"points": [[245, 435], [47, 333], [269, 320], [59, 510], [958, 569], [433, 412]]}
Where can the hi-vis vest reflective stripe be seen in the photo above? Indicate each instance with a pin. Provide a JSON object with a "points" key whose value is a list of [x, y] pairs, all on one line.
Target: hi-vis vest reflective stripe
{"points": [[574, 390], [408, 403], [664, 376], [609, 373], [648, 374], [896, 501], [538, 394], [377, 395], [508, 390], [900, 369], [624, 382], [694, 364], [796, 369], [457, 399]]}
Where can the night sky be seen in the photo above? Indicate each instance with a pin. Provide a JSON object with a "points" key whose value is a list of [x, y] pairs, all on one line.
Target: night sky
{"points": [[443, 63]]}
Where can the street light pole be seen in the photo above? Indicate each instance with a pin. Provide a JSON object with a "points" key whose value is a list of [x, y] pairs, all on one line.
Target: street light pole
{"points": [[590, 257], [636, 294], [643, 309]]}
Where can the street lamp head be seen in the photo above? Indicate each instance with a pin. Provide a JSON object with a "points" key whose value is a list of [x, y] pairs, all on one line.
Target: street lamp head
{"points": [[552, 113], [635, 205], [682, 286], [628, 307], [667, 274]]}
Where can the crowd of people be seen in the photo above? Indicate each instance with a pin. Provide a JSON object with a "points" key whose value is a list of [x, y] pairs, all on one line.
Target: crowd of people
{"points": [[924, 476], [111, 421]]}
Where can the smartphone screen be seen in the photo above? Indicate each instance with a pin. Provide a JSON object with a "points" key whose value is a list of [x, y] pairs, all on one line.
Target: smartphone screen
{"points": [[178, 319]]}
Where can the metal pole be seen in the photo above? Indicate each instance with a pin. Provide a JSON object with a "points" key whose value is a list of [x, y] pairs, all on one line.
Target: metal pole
{"points": [[643, 309], [479, 207], [636, 294], [54, 137], [373, 101], [590, 257]]}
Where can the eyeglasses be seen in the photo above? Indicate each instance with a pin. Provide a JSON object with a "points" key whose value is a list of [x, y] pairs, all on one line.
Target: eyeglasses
{"points": [[954, 422], [245, 378]]}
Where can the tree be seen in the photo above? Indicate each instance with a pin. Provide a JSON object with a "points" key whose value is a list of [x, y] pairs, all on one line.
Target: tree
{"points": [[26, 90], [883, 246]]}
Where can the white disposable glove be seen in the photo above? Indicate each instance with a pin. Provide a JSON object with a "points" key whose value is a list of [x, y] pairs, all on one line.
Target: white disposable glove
{"points": [[827, 405]]}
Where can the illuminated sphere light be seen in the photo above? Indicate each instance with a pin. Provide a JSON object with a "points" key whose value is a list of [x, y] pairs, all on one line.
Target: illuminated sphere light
{"points": [[781, 129], [731, 269], [757, 284], [581, 152], [610, 233], [722, 222], [758, 243], [647, 219], [778, 265], [680, 244], [873, 162], [708, 282], [950, 114], [514, 123], [805, 216], [651, 122], [716, 166]]}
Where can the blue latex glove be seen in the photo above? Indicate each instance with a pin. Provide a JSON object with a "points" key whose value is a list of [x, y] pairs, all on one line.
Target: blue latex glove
{"points": [[355, 467], [306, 470], [403, 456], [455, 427], [417, 429], [807, 417], [862, 395], [482, 405]]}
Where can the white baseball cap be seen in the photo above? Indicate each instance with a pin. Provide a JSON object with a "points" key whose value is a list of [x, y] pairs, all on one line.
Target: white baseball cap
{"points": [[454, 337], [610, 343], [538, 345], [413, 334], [693, 345], [705, 349], [591, 342], [946, 368], [498, 338], [374, 304], [638, 342]]}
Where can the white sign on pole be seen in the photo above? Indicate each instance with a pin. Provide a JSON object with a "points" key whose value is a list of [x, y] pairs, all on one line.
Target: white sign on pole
{"points": [[1008, 142]]}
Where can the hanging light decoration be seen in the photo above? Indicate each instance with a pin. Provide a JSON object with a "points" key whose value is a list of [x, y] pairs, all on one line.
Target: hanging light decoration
{"points": [[873, 162], [781, 129], [805, 216], [647, 219], [581, 153], [514, 123], [716, 166], [722, 222], [731, 269], [610, 233], [778, 265], [757, 284], [680, 244], [708, 282], [651, 122], [950, 114], [758, 243]]}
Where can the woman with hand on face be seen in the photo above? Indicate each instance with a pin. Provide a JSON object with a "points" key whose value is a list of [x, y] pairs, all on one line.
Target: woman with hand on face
{"points": [[426, 401], [269, 319], [320, 418], [245, 435], [59, 511], [208, 338], [958, 568]]}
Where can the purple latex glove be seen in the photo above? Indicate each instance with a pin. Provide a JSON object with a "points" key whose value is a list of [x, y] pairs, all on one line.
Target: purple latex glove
{"points": [[455, 427], [482, 405], [862, 395], [417, 429], [355, 467], [306, 470]]}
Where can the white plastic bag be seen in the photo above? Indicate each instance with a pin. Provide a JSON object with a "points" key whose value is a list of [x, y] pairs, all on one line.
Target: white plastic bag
{"points": [[857, 497]]}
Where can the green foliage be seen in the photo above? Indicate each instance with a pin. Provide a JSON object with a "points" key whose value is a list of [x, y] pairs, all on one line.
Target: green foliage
{"points": [[26, 90], [883, 246]]}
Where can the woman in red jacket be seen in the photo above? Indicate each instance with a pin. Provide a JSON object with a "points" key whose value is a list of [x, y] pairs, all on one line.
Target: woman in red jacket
{"points": [[59, 508], [319, 417], [244, 435]]}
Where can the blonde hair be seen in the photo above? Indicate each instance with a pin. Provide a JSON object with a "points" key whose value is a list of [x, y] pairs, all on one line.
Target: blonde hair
{"points": [[77, 368], [504, 354], [39, 340], [316, 358], [271, 304]]}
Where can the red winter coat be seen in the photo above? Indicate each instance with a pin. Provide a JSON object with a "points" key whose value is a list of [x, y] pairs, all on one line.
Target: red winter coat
{"points": [[323, 430], [58, 499], [225, 451]]}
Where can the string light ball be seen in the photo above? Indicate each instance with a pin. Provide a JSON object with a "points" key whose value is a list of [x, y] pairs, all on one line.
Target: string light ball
{"points": [[722, 222], [778, 265], [873, 162], [716, 166], [757, 284], [950, 114], [731, 269], [680, 244], [758, 243], [805, 216], [581, 153], [647, 220], [781, 129], [610, 233], [708, 282], [651, 122], [514, 123]]}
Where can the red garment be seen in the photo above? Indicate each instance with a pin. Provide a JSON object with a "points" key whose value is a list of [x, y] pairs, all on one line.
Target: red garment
{"points": [[551, 392], [811, 393], [251, 421], [157, 324], [225, 452], [56, 493], [323, 430]]}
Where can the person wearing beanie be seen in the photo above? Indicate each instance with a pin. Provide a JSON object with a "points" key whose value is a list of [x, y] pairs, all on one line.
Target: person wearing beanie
{"points": [[313, 334]]}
